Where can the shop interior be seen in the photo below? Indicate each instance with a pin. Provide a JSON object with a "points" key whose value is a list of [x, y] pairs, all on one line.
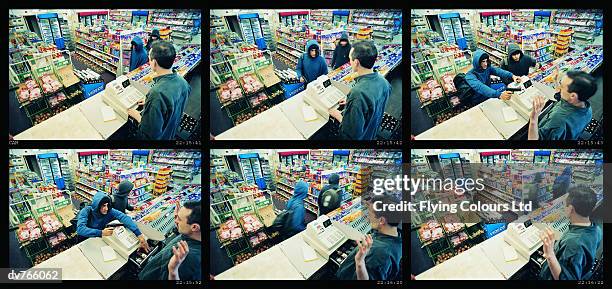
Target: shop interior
{"points": [[66, 65], [443, 43], [249, 188], [464, 246], [48, 188], [254, 55]]}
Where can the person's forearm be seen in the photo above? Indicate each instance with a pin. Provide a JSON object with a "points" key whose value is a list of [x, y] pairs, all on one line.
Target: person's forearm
{"points": [[173, 275], [555, 267], [532, 134], [362, 271]]}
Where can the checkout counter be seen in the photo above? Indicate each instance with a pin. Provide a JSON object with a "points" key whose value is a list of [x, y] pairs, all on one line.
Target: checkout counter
{"points": [[95, 118], [493, 119], [104, 258], [498, 258], [296, 118], [324, 243]]}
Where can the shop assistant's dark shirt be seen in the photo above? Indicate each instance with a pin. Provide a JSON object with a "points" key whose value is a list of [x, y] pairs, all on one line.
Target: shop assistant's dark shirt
{"points": [[163, 108], [365, 106], [382, 261], [575, 252], [564, 121], [190, 269]]}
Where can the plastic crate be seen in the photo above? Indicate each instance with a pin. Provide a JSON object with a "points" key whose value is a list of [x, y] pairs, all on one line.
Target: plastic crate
{"points": [[237, 107], [293, 89], [437, 107], [92, 89], [438, 246], [237, 246]]}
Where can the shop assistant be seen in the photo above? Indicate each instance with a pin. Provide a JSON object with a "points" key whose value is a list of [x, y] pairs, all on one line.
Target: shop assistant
{"points": [[311, 64], [377, 256], [181, 257], [570, 115], [572, 257], [92, 220], [479, 79], [166, 100], [365, 103]]}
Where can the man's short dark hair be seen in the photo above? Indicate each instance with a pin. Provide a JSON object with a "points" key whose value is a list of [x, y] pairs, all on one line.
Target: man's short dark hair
{"points": [[583, 199], [164, 53], [366, 52], [393, 218], [196, 212], [582, 84]]}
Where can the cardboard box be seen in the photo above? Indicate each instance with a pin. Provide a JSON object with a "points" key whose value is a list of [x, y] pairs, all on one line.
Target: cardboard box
{"points": [[267, 215], [66, 214], [268, 76], [67, 76]]}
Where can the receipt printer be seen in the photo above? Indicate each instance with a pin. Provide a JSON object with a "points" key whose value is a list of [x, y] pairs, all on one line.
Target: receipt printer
{"points": [[322, 95], [122, 94]]}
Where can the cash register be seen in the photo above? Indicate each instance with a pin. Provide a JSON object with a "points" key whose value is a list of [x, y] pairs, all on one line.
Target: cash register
{"points": [[523, 237], [322, 95], [323, 236], [122, 94]]}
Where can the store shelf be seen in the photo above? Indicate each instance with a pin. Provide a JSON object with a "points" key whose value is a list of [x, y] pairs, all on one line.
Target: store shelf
{"points": [[98, 50], [97, 57]]}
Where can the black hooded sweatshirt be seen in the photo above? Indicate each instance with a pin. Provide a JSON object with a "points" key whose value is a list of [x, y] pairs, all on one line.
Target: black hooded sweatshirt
{"points": [[521, 67]]}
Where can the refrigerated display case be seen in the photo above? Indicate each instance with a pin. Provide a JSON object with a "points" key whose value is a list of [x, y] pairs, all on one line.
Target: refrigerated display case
{"points": [[92, 157], [494, 18], [50, 29], [495, 157], [293, 158], [340, 16], [140, 156], [451, 165], [542, 17], [341, 157], [250, 167], [50, 167], [66, 173], [541, 157], [294, 18], [140, 18], [93, 18], [451, 27], [250, 26]]}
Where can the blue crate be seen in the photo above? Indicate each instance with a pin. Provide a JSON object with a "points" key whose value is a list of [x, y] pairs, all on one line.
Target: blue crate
{"points": [[494, 229], [292, 89], [92, 89]]}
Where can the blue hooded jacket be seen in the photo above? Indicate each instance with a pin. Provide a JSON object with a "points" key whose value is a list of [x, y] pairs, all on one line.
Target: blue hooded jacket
{"points": [[91, 222], [311, 67], [480, 79], [139, 56], [562, 182], [296, 203]]}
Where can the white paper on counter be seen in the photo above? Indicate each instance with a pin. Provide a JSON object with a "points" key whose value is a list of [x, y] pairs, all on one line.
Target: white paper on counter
{"points": [[108, 253], [309, 113], [309, 253], [108, 113], [509, 253], [509, 114]]}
